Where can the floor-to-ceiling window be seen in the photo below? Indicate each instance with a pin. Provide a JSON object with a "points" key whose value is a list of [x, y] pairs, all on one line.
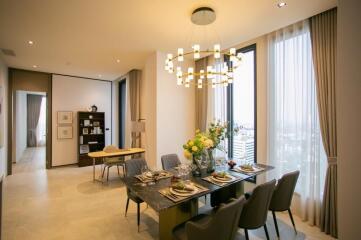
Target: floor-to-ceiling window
{"points": [[241, 102]]}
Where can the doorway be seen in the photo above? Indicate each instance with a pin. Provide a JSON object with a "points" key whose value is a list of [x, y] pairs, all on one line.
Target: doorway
{"points": [[122, 112], [36, 88], [30, 125]]}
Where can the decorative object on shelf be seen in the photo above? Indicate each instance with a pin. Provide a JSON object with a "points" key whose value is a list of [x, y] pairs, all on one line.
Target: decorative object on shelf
{"points": [[83, 149], [65, 117], [96, 124], [94, 108], [86, 123], [65, 132], [85, 131], [209, 76], [194, 149]]}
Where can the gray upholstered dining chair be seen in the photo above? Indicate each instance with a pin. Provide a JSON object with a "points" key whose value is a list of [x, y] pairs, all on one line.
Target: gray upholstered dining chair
{"points": [[170, 161], [255, 209], [282, 197], [134, 167], [222, 224]]}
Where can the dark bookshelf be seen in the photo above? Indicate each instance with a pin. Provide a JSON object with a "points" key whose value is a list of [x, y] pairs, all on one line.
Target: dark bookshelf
{"points": [[91, 136]]}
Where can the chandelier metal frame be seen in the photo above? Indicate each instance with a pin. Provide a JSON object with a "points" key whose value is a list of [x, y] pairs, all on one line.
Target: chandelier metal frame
{"points": [[209, 76]]}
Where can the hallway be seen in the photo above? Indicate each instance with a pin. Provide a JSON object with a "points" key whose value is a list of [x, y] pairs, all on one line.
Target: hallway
{"points": [[32, 159]]}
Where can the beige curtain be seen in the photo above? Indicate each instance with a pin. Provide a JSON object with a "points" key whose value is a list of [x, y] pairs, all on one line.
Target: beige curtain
{"points": [[323, 38], [134, 102], [201, 97]]}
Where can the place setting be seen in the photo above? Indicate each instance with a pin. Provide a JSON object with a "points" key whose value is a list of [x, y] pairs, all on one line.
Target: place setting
{"points": [[149, 177], [247, 168], [181, 190], [221, 178]]}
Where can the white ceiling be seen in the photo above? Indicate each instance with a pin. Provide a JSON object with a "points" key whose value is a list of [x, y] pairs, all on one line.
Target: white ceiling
{"points": [[86, 37]]}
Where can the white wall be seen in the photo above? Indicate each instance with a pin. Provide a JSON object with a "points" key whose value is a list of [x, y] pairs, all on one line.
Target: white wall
{"points": [[175, 111], [348, 102], [77, 94], [168, 110], [3, 117], [21, 124]]}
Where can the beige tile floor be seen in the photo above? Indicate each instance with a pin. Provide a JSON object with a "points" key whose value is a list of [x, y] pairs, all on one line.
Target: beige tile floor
{"points": [[31, 160], [64, 203]]}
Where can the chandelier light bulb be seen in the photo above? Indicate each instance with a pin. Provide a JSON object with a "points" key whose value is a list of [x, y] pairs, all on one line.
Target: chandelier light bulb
{"points": [[179, 81], [230, 80], [209, 72], [217, 51], [199, 83], [196, 49], [190, 73], [180, 55], [201, 73], [186, 85]]}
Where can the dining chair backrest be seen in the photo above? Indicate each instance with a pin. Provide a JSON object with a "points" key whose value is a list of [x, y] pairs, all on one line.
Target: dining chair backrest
{"points": [[223, 224], [110, 149], [170, 161], [282, 195], [134, 166], [254, 213]]}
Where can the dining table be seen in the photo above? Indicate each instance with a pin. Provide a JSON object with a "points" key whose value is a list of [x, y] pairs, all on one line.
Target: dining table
{"points": [[172, 213], [119, 153]]}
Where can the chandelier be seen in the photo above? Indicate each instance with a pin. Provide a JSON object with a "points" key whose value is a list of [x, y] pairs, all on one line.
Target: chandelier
{"points": [[222, 75]]}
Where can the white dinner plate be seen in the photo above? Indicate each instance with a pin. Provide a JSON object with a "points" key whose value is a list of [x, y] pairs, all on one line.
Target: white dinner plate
{"points": [[231, 178], [182, 193]]}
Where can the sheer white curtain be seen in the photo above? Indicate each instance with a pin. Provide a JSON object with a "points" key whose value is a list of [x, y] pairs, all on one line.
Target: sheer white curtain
{"points": [[41, 128], [217, 104], [294, 131]]}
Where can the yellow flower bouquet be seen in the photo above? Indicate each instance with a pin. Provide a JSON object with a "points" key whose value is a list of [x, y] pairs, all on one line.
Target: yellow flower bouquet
{"points": [[194, 148]]}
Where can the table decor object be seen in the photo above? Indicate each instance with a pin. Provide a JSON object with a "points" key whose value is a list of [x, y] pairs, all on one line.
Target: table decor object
{"points": [[194, 148]]}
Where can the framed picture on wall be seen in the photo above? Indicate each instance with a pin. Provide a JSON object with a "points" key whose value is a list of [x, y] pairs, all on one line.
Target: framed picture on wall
{"points": [[65, 117], [65, 132]]}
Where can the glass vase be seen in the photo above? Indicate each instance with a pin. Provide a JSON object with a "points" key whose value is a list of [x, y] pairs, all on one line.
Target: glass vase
{"points": [[196, 166], [211, 167]]}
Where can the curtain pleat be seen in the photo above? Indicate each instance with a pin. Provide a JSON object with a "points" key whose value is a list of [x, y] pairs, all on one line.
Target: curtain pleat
{"points": [[33, 114], [323, 29], [201, 97], [134, 101]]}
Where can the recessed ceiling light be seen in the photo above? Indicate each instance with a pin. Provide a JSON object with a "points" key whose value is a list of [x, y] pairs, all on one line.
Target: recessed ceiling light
{"points": [[281, 4], [30, 42], [118, 61], [34, 66], [100, 75]]}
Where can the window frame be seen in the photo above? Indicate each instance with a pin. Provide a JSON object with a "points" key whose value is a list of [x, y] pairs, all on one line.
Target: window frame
{"points": [[252, 47]]}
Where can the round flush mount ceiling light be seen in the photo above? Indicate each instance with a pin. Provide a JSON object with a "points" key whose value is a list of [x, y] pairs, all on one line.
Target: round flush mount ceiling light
{"points": [[203, 16], [281, 4]]}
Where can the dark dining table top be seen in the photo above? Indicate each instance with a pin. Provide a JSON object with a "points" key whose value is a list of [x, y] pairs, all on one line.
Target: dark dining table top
{"points": [[158, 202]]}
